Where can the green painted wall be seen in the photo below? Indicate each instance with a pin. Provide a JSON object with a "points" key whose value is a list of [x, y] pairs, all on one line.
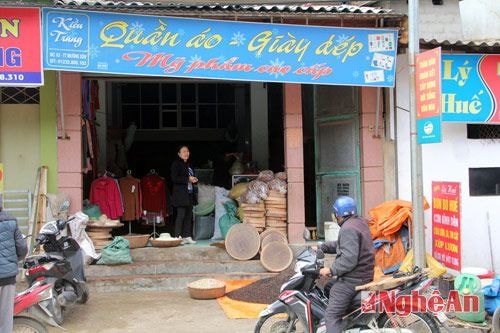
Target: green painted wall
{"points": [[48, 129]]}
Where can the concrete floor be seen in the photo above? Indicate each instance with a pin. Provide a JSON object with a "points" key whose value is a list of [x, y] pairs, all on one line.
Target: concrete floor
{"points": [[157, 312], [150, 312]]}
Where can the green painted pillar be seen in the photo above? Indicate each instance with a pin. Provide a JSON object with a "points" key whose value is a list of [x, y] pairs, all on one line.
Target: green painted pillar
{"points": [[48, 129]]}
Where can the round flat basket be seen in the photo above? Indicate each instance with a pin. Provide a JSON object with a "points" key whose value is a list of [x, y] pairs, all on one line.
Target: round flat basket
{"points": [[165, 243], [276, 256], [270, 231], [137, 241], [272, 237], [206, 289], [242, 241]]}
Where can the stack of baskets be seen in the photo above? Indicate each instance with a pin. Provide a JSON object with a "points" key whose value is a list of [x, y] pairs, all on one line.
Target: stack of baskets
{"points": [[254, 214], [276, 212]]}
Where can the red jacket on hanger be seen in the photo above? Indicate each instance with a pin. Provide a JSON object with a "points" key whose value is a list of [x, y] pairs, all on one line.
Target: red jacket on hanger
{"points": [[105, 193], [154, 194]]}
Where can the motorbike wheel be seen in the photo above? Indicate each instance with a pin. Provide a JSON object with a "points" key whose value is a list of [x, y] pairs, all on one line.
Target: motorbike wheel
{"points": [[28, 325], [416, 322], [278, 323], [496, 321], [85, 294]]}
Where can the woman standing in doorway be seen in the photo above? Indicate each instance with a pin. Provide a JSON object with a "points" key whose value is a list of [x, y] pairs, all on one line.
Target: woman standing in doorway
{"points": [[183, 179]]}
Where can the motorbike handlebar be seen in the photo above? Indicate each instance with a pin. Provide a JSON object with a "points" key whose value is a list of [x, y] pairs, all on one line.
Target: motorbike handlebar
{"points": [[61, 224]]}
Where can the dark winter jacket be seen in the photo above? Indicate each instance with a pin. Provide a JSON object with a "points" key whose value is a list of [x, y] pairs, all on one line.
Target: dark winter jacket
{"points": [[355, 260], [13, 248], [180, 179]]}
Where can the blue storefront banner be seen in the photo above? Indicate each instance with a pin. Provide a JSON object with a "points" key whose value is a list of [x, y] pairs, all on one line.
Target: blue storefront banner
{"points": [[470, 88], [113, 43]]}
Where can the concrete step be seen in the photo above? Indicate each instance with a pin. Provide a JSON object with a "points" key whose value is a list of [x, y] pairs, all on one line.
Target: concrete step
{"points": [[176, 267], [155, 282], [179, 253]]}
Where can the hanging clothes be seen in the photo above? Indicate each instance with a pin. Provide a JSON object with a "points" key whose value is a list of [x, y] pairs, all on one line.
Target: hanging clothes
{"points": [[105, 192], [132, 198], [154, 194]]}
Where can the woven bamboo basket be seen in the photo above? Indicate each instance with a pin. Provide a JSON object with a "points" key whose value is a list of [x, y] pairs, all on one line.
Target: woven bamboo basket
{"points": [[137, 241], [206, 289], [165, 243]]}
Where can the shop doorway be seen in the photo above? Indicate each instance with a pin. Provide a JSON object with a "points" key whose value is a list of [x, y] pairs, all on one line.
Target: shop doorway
{"points": [[146, 120], [334, 161]]}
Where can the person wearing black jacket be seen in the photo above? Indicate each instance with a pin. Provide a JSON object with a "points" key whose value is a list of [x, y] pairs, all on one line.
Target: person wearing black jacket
{"points": [[354, 262], [183, 196]]}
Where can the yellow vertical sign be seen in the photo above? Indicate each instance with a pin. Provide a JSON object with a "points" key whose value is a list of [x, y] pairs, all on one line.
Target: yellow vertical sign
{"points": [[1, 178]]}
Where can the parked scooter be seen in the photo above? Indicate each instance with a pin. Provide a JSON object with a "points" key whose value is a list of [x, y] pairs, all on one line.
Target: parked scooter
{"points": [[31, 308], [61, 264], [302, 303]]}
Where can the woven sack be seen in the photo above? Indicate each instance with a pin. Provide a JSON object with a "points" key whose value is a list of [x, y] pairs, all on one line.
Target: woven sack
{"points": [[116, 253]]}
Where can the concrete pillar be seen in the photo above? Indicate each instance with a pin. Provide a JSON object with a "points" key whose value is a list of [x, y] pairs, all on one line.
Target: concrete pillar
{"points": [[69, 144], [294, 161], [372, 153]]}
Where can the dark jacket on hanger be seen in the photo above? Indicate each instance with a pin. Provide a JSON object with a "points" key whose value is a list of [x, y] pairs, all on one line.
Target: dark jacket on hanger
{"points": [[180, 179]]}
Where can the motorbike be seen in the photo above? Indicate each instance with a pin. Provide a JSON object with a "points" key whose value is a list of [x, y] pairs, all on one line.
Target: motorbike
{"points": [[31, 309], [302, 303], [61, 264]]}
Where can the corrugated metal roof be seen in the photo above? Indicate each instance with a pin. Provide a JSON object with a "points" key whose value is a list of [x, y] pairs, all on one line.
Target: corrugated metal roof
{"points": [[485, 45], [305, 8]]}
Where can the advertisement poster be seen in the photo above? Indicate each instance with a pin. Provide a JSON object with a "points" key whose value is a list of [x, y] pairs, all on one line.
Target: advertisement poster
{"points": [[446, 223], [471, 88], [20, 47], [115, 43], [428, 96]]}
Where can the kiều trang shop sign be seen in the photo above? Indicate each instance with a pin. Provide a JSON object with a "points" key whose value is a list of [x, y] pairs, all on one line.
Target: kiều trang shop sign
{"points": [[118, 43], [470, 88], [20, 47]]}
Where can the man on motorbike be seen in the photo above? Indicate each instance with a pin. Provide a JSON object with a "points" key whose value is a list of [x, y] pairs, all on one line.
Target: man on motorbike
{"points": [[13, 248], [354, 262]]}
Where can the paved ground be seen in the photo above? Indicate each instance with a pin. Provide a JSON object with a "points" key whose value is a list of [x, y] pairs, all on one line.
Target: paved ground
{"points": [[150, 312]]}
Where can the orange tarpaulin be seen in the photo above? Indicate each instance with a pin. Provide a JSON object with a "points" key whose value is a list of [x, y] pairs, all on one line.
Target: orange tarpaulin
{"points": [[385, 223], [388, 217], [238, 309]]}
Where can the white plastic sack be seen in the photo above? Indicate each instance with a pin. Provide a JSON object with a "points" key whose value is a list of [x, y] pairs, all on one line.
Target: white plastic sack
{"points": [[77, 227], [206, 193]]}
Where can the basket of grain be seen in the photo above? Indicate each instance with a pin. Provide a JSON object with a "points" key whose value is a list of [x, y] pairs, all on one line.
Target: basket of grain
{"points": [[137, 241], [165, 240], [207, 289]]}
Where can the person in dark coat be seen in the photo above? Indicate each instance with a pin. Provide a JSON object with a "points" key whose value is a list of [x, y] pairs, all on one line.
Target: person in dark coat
{"points": [[13, 248], [183, 196], [354, 262]]}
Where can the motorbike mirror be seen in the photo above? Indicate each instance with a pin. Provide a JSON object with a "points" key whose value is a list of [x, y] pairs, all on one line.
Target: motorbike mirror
{"points": [[27, 236], [60, 224]]}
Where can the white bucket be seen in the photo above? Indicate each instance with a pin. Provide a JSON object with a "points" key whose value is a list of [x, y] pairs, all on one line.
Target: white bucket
{"points": [[331, 231]]}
